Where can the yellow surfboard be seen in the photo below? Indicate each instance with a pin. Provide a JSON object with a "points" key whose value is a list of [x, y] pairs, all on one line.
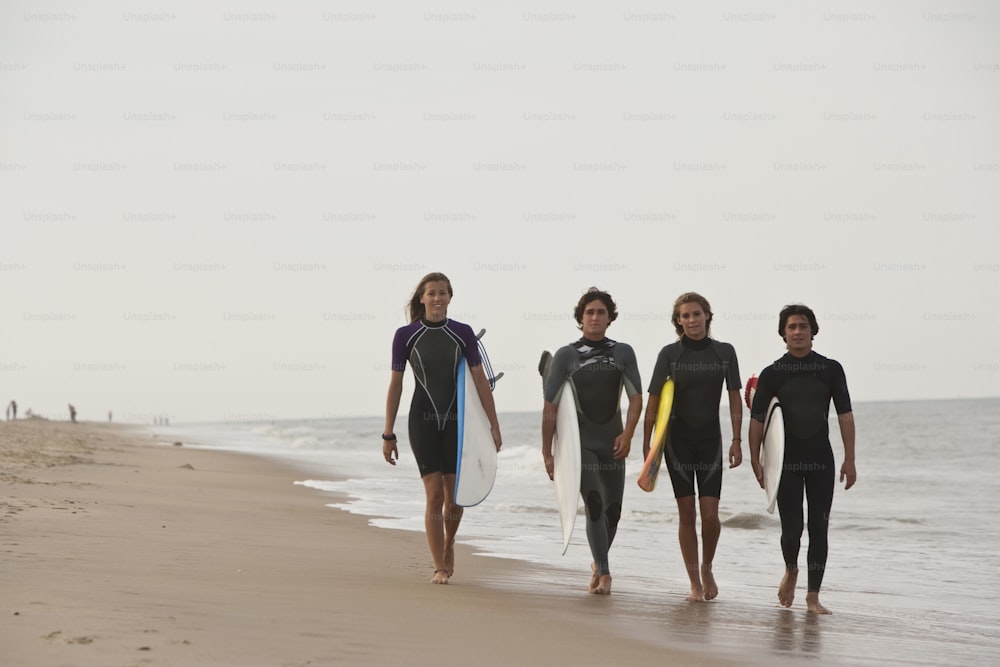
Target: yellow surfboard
{"points": [[651, 467]]}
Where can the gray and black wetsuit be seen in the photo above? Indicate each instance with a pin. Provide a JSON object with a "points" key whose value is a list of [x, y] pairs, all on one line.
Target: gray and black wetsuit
{"points": [[598, 371], [805, 388]]}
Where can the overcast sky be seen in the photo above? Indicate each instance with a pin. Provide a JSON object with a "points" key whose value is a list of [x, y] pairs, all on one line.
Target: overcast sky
{"points": [[217, 211]]}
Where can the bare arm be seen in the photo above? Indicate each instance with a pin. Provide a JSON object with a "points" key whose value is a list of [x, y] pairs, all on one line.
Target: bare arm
{"points": [[652, 407], [756, 436], [848, 472], [623, 443], [736, 417], [548, 430], [486, 398], [389, 450]]}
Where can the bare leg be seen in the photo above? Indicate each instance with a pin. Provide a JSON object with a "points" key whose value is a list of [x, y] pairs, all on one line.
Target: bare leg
{"points": [[595, 579], [710, 529], [813, 605], [452, 518], [786, 591], [603, 585], [687, 535], [434, 525]]}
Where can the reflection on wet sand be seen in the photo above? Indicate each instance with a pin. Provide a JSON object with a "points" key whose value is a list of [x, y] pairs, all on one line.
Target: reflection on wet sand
{"points": [[750, 633], [754, 630], [796, 633]]}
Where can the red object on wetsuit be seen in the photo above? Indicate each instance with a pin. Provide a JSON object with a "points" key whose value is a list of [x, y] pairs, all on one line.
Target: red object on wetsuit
{"points": [[750, 391]]}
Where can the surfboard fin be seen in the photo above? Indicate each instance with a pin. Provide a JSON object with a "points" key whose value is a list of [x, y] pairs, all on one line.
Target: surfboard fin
{"points": [[544, 363], [487, 366]]}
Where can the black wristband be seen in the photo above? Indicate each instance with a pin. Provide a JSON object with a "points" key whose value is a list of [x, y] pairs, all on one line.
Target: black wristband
{"points": [[391, 436]]}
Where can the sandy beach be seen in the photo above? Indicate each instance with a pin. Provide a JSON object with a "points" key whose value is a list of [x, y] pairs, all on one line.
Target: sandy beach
{"points": [[118, 549]]}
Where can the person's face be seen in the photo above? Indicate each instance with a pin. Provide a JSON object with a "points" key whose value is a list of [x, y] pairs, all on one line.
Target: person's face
{"points": [[692, 318], [596, 320], [798, 334], [436, 299]]}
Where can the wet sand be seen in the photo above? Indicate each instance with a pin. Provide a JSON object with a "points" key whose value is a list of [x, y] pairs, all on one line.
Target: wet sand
{"points": [[120, 550]]}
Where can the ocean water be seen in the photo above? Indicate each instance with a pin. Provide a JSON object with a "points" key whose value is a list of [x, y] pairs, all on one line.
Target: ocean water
{"points": [[912, 576]]}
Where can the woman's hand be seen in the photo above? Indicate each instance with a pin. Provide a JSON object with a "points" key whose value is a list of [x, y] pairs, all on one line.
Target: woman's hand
{"points": [[389, 451]]}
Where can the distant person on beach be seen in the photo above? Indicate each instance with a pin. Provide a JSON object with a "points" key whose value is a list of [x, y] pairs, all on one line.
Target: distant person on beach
{"points": [[599, 369], [698, 365], [805, 383], [434, 346], [13, 409], [109, 416], [72, 413]]}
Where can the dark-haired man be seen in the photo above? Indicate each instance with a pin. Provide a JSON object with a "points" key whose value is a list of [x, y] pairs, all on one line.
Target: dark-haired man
{"points": [[804, 382], [599, 369]]}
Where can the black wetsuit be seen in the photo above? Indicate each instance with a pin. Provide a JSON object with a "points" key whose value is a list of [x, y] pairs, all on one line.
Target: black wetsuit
{"points": [[434, 350], [598, 371], [805, 387], [694, 437]]}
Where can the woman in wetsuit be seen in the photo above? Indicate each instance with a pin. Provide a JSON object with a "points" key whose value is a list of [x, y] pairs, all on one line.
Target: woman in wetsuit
{"points": [[434, 346], [599, 368], [805, 383], [698, 365]]}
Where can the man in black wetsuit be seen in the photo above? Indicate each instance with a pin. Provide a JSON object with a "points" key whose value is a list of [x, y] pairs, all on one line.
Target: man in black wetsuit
{"points": [[805, 383]]}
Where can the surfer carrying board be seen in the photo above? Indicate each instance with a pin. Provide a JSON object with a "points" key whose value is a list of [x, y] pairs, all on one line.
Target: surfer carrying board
{"points": [[434, 346], [698, 366], [598, 368], [804, 382]]}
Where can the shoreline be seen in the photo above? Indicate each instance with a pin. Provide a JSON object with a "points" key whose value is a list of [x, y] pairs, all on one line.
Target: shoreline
{"points": [[122, 549]]}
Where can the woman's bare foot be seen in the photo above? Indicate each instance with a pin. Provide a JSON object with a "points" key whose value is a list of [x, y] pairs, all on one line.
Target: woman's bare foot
{"points": [[604, 585], [595, 579], [440, 577], [786, 591], [708, 582], [813, 605], [697, 593]]}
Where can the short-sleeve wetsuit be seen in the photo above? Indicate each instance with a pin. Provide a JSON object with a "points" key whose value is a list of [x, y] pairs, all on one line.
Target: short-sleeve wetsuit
{"points": [[805, 387], [694, 439], [598, 371], [434, 350]]}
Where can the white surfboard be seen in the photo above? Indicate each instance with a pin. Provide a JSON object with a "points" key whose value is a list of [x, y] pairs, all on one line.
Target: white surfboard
{"points": [[567, 463], [566, 452], [772, 452], [477, 453]]}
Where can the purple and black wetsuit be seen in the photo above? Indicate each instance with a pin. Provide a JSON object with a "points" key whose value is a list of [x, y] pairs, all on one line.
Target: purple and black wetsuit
{"points": [[434, 350]]}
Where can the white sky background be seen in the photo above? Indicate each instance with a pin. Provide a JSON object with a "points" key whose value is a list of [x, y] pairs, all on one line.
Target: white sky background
{"points": [[217, 211]]}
